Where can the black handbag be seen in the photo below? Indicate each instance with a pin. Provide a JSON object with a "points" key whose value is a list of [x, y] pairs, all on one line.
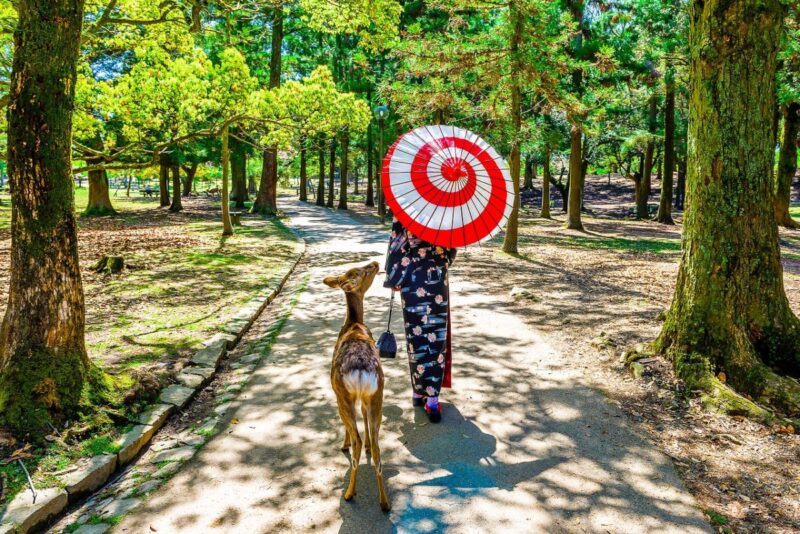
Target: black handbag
{"points": [[387, 344]]}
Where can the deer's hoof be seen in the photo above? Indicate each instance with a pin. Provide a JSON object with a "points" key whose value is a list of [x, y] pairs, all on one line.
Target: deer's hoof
{"points": [[349, 496], [386, 506]]}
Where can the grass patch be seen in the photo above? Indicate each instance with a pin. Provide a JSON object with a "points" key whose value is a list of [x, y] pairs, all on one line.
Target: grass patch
{"points": [[166, 309], [717, 519], [617, 244], [5, 211]]}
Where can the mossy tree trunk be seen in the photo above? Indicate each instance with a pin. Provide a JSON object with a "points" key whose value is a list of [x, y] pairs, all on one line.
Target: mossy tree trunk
{"points": [[343, 169], [303, 170], [44, 368], [664, 215], [730, 312], [266, 201], [238, 155], [511, 238], [787, 164], [321, 180], [99, 198], [546, 178], [331, 173], [176, 205]]}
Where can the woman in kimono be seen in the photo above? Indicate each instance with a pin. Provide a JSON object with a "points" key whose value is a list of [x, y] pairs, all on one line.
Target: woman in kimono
{"points": [[418, 270]]}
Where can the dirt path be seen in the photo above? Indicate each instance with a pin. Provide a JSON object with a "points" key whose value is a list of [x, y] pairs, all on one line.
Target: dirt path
{"points": [[525, 444]]}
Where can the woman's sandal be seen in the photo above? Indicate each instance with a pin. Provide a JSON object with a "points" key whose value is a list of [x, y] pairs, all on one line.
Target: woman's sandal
{"points": [[434, 415]]}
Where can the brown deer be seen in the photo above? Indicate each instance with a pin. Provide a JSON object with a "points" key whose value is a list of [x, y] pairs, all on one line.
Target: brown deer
{"points": [[356, 375]]}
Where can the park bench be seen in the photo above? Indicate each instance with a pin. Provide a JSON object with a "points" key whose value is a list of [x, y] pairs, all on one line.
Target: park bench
{"points": [[236, 217], [150, 191]]}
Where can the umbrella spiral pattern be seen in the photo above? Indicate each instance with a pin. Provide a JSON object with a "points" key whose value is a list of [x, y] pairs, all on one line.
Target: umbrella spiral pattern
{"points": [[447, 186]]}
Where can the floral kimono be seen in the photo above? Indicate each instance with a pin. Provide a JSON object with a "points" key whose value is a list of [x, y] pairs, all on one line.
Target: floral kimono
{"points": [[419, 270]]}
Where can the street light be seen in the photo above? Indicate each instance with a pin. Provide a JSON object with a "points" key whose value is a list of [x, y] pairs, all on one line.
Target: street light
{"points": [[380, 113]]}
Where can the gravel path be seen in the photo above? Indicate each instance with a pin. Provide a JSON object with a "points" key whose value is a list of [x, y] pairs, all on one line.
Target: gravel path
{"points": [[524, 446]]}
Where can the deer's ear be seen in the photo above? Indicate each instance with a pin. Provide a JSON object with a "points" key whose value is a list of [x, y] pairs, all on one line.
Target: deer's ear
{"points": [[331, 281]]}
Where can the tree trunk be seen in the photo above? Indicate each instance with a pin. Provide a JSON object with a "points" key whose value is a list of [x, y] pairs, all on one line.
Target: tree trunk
{"points": [[680, 191], [575, 163], [44, 368], [227, 227], [574, 201], [266, 202], [642, 211], [546, 178], [99, 199], [730, 312], [303, 171], [176, 205], [188, 181], [530, 173], [128, 186], [163, 181], [787, 165], [511, 237], [238, 157], [343, 171], [664, 215], [321, 183], [370, 199], [331, 173]]}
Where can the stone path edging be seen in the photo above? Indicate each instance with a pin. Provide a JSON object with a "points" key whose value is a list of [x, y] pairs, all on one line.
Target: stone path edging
{"points": [[22, 515]]}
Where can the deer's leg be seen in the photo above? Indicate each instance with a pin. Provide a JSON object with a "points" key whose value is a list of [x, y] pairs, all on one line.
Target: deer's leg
{"points": [[375, 414], [367, 443], [342, 403], [347, 411]]}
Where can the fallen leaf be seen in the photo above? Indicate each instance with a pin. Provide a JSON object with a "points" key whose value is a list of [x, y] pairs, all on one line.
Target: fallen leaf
{"points": [[235, 421]]}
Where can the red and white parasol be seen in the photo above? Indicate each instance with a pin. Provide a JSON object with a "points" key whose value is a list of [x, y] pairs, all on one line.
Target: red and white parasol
{"points": [[447, 186]]}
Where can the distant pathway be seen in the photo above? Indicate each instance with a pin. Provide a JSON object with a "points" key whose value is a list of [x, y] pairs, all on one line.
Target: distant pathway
{"points": [[524, 446]]}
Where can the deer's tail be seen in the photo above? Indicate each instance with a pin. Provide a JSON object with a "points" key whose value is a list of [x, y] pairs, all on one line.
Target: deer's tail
{"points": [[361, 383]]}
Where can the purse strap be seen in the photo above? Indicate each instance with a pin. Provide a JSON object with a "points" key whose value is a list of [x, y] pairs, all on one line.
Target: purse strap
{"points": [[391, 307]]}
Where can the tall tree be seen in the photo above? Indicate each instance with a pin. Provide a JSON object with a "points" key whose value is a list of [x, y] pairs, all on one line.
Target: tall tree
{"points": [[331, 173], [303, 169], [176, 204], [664, 214], [343, 169], [321, 177], [787, 164], [730, 312], [575, 199], [266, 201], [44, 368]]}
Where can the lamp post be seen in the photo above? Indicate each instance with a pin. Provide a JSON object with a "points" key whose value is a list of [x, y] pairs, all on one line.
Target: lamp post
{"points": [[380, 114]]}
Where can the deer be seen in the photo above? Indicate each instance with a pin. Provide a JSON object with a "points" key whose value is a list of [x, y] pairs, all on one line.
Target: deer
{"points": [[357, 376]]}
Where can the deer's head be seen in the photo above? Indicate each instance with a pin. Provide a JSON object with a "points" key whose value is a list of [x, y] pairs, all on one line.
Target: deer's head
{"points": [[356, 281]]}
